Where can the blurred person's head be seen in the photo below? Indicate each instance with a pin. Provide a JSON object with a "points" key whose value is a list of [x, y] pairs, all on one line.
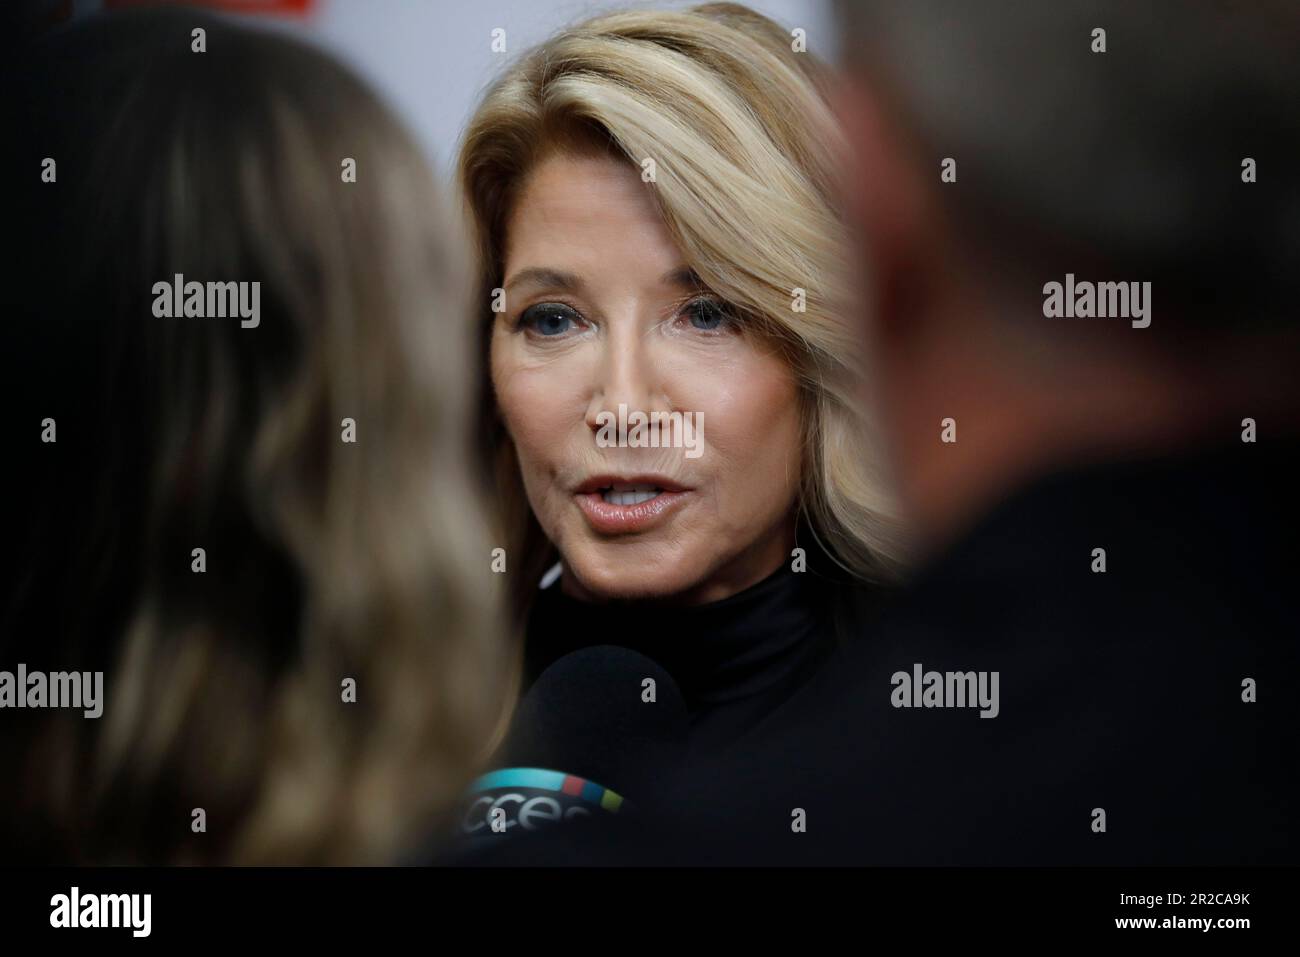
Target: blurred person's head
{"points": [[1072, 166], [323, 677], [652, 193]]}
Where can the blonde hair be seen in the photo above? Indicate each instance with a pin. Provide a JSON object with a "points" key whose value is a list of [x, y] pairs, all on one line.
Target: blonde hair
{"points": [[744, 147], [326, 561]]}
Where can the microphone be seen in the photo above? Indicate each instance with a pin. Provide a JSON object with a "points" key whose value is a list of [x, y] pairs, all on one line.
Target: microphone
{"points": [[591, 731]]}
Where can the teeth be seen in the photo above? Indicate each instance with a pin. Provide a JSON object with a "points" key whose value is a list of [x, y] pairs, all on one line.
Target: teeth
{"points": [[633, 496]]}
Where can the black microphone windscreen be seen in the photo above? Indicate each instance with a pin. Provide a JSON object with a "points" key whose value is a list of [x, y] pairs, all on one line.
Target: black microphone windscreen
{"points": [[595, 714]]}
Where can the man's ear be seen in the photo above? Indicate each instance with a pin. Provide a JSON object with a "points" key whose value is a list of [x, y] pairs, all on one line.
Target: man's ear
{"points": [[890, 205]]}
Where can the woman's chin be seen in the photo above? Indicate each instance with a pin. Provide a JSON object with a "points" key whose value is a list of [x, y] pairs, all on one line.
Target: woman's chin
{"points": [[625, 580]]}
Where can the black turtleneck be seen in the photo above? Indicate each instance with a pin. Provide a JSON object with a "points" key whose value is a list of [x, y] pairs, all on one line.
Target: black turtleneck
{"points": [[736, 661]]}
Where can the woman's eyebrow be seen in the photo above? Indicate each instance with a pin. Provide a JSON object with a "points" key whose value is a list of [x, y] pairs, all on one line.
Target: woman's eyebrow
{"points": [[546, 278], [683, 276]]}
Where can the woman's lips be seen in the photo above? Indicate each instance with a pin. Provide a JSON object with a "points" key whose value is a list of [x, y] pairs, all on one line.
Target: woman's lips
{"points": [[611, 519]]}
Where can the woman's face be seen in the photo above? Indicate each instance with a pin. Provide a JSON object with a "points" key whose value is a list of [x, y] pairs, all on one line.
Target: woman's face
{"points": [[602, 312]]}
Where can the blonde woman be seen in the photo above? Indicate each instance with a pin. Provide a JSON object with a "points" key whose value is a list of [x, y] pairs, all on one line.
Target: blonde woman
{"points": [[260, 527], [669, 382]]}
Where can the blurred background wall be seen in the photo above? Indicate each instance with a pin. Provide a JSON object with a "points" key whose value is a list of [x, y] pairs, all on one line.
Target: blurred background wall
{"points": [[432, 59]]}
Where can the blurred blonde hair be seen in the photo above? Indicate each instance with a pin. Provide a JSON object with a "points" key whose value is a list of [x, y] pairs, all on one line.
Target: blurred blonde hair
{"points": [[745, 149], [326, 561]]}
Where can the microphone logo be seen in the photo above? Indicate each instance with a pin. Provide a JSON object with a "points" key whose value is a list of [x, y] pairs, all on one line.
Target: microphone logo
{"points": [[533, 798]]}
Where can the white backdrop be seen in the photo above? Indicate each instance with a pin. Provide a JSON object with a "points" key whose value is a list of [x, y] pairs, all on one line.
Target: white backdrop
{"points": [[432, 59]]}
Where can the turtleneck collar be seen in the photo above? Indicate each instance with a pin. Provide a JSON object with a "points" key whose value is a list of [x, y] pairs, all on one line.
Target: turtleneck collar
{"points": [[764, 640]]}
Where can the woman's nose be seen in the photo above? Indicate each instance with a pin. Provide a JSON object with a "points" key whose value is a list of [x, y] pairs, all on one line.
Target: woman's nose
{"points": [[626, 375]]}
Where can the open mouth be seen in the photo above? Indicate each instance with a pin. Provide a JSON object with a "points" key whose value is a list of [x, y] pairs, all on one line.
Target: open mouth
{"points": [[630, 495], [621, 506]]}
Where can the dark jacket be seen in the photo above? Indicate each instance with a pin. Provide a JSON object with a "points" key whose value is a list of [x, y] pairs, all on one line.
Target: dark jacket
{"points": [[1146, 714]]}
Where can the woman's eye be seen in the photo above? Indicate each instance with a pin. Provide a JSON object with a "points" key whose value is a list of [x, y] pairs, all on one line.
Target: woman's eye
{"points": [[707, 315], [548, 319]]}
